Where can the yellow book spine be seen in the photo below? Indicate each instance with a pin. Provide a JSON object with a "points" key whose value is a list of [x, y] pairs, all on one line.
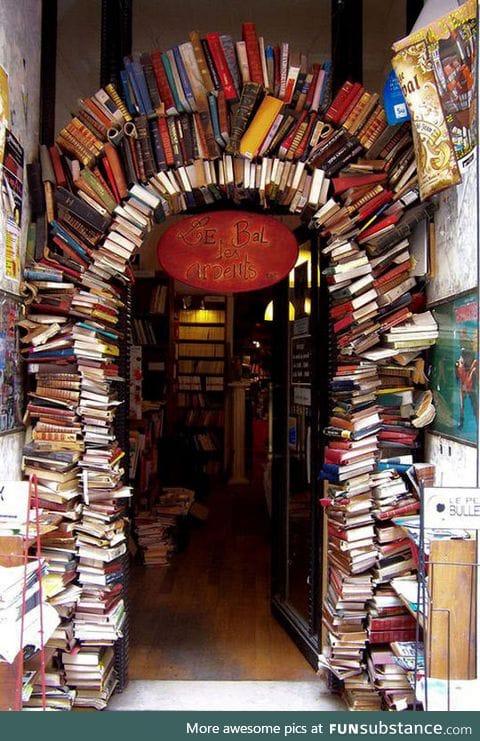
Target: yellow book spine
{"points": [[254, 136]]}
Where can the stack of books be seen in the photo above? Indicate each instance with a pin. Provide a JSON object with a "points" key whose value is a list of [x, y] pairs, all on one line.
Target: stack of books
{"points": [[392, 496], [391, 679], [92, 672], [159, 530], [378, 397]]}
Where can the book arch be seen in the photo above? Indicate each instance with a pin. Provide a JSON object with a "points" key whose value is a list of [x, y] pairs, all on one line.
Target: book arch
{"points": [[234, 141]]}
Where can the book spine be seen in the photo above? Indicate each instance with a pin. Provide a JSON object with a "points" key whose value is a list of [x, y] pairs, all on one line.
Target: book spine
{"points": [[184, 79], [176, 148], [284, 58], [95, 126], [195, 40], [81, 210], [217, 85], [249, 35], [163, 86], [148, 159], [113, 93], [228, 47], [115, 162], [242, 59], [151, 83], [339, 103], [105, 196], [157, 145], [167, 64], [248, 99], [162, 125]]}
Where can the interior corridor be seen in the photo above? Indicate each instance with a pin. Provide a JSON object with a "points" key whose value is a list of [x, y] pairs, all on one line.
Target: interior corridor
{"points": [[207, 615]]}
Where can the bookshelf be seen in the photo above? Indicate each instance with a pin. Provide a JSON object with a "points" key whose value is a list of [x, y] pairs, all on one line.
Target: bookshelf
{"points": [[149, 366], [199, 352]]}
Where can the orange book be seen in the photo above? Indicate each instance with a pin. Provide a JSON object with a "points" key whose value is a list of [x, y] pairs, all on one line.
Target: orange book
{"points": [[260, 126], [116, 167]]}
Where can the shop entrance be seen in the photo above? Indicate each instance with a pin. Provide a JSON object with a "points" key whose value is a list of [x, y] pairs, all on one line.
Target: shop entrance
{"points": [[245, 556]]}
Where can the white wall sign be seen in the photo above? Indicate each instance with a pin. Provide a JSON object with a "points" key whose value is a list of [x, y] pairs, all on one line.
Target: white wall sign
{"points": [[452, 508]]}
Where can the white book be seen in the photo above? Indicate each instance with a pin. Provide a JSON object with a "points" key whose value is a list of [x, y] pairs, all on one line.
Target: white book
{"points": [[318, 91], [142, 194], [261, 45], [284, 54], [242, 59]]}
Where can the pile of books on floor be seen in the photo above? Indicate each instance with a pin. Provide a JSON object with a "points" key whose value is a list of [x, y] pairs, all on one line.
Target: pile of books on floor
{"points": [[159, 531], [72, 346], [91, 671]]}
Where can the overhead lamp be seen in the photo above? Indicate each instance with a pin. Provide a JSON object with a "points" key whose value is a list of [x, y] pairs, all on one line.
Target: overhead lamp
{"points": [[268, 316]]}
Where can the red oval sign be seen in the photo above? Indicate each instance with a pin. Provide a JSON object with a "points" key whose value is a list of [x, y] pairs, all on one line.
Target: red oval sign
{"points": [[228, 251]]}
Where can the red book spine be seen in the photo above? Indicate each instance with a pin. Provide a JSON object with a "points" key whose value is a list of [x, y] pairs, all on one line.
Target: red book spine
{"points": [[392, 623], [57, 166], [111, 179], [373, 205], [162, 81], [406, 510], [249, 35], [355, 95], [311, 90], [386, 277], [287, 142], [344, 183], [388, 636], [166, 141], [67, 250], [100, 177], [400, 316], [337, 312], [67, 271], [343, 323], [224, 74], [300, 150], [339, 103], [382, 224]]}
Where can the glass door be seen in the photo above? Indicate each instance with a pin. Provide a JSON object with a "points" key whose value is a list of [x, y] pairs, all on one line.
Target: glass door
{"points": [[296, 556]]}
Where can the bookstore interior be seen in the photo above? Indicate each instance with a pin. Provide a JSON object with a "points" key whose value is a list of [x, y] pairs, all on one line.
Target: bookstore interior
{"points": [[239, 375]]}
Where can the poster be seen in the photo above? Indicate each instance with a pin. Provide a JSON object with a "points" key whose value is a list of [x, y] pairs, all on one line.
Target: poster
{"points": [[455, 369], [4, 109], [11, 393], [11, 192]]}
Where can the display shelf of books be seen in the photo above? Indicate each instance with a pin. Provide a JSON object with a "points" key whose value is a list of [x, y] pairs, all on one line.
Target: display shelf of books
{"points": [[150, 331], [29, 674], [199, 368]]}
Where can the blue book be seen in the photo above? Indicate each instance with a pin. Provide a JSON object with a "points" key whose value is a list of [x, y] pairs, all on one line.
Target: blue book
{"points": [[111, 335], [327, 66], [187, 88], [171, 81], [66, 352], [142, 86], [133, 83], [127, 93], [59, 231], [32, 274], [212, 105]]}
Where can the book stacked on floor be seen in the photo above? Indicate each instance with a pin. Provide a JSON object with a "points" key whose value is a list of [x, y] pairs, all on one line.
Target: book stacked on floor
{"points": [[378, 398], [91, 671], [158, 530], [72, 353], [391, 679], [56, 444]]}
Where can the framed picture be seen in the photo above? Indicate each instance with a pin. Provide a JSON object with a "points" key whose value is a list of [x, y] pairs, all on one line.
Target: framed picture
{"points": [[455, 369]]}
